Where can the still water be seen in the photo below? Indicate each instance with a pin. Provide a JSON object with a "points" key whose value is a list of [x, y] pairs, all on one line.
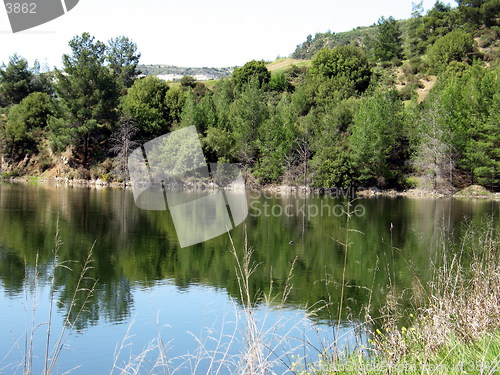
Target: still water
{"points": [[146, 286]]}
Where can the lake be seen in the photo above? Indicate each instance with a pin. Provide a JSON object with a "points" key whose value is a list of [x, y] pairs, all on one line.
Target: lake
{"points": [[146, 286]]}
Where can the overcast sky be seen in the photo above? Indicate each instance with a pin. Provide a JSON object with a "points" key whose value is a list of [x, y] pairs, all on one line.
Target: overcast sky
{"points": [[213, 33]]}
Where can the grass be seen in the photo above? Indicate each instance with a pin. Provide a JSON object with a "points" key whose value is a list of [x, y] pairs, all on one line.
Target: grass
{"points": [[54, 339], [283, 64], [454, 325]]}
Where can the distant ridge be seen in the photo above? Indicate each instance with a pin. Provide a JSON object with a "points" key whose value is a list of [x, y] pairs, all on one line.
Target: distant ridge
{"points": [[175, 73], [357, 37]]}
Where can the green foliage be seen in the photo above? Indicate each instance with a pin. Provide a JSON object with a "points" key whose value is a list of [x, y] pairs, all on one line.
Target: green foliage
{"points": [[220, 145], [247, 113], [414, 25], [374, 137], [252, 70], [123, 59], [25, 122], [331, 163], [200, 113], [222, 99], [33, 112], [279, 82], [455, 46], [332, 166], [329, 124], [146, 103], [312, 45], [479, 12], [325, 91], [174, 101], [482, 150], [463, 107], [188, 81], [348, 62], [16, 81], [276, 141], [60, 135], [88, 92], [424, 31], [388, 41]]}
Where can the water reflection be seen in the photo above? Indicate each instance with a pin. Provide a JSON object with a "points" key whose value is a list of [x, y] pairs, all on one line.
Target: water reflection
{"points": [[395, 241]]}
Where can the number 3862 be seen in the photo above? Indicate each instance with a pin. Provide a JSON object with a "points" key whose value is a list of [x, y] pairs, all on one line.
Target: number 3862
{"points": [[21, 8]]}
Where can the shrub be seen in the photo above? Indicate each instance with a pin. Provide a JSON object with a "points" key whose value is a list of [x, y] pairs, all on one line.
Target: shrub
{"points": [[414, 66], [346, 61], [411, 182], [454, 46], [408, 91]]}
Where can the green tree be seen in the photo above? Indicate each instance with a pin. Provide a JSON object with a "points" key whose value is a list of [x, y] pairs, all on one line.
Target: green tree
{"points": [[188, 82], [16, 81], [414, 25], [42, 81], [434, 155], [481, 99], [279, 82], [247, 113], [252, 70], [331, 163], [483, 148], [347, 61], [388, 41], [26, 120], [438, 21], [146, 102], [479, 12], [454, 46], [175, 99], [200, 113], [373, 137], [465, 102], [123, 59], [222, 98], [276, 140], [219, 145], [88, 92]]}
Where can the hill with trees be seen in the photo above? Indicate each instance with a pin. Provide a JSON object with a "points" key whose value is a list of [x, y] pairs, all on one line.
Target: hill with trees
{"points": [[400, 104], [175, 73]]}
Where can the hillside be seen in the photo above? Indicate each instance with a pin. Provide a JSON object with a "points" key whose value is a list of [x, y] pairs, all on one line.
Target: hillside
{"points": [[311, 45], [404, 104], [283, 64], [360, 36]]}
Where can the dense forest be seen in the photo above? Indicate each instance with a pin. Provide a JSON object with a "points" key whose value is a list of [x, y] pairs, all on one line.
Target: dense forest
{"points": [[401, 104]]}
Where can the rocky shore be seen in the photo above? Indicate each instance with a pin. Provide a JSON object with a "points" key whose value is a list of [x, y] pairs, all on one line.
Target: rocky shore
{"points": [[473, 191]]}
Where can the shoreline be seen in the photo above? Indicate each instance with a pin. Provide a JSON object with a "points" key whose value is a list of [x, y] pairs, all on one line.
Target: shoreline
{"points": [[471, 192]]}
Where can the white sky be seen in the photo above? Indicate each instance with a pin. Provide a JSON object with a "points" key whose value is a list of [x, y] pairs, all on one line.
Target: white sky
{"points": [[213, 33]]}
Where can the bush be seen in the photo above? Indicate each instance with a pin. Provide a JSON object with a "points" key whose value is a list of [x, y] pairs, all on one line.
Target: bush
{"points": [[414, 66], [252, 70], [408, 91], [346, 61], [279, 82], [454, 46], [411, 182]]}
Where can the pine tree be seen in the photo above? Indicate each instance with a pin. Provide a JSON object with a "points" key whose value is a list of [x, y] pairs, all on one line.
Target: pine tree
{"points": [[88, 92], [388, 42]]}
